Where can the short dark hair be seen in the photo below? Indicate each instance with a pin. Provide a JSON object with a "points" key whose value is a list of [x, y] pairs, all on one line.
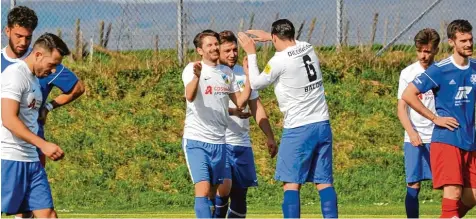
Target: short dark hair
{"points": [[198, 40], [427, 36], [23, 17], [462, 26], [283, 29], [227, 36], [50, 41]]}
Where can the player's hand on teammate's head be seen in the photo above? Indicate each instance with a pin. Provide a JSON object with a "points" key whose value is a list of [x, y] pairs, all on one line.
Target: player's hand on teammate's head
{"points": [[260, 35], [52, 151], [197, 68], [247, 43], [272, 147], [446, 122]]}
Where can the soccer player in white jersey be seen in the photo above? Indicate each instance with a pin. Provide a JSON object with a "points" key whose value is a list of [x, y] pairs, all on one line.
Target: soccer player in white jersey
{"points": [[25, 185], [418, 129], [208, 89], [305, 153], [238, 142]]}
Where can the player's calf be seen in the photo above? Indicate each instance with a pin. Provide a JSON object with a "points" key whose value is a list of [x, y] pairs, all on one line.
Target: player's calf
{"points": [[45, 213], [238, 203], [221, 199], [412, 205], [328, 196]]}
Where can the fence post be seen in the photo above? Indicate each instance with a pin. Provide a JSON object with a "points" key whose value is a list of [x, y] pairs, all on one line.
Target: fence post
{"points": [[339, 23], [407, 27], [13, 3], [180, 31]]}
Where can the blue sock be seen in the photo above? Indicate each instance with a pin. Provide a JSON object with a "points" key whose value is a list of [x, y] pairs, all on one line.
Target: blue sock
{"points": [[411, 203], [291, 204], [237, 203], [211, 203], [328, 202], [221, 206], [202, 208]]}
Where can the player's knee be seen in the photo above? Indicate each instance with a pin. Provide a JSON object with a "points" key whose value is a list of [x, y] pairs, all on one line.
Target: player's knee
{"points": [[224, 189], [452, 192], [202, 189], [414, 185], [322, 186], [45, 213], [291, 186]]}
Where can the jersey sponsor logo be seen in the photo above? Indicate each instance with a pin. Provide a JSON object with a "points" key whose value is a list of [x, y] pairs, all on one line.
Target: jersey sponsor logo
{"points": [[217, 90], [267, 69], [473, 79], [462, 95], [209, 90]]}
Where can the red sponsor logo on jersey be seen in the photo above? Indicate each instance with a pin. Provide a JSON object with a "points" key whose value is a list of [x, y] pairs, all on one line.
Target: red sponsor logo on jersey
{"points": [[32, 104], [209, 90]]}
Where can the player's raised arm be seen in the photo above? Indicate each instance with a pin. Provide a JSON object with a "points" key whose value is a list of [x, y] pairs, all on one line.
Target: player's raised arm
{"points": [[271, 72], [260, 35], [421, 84], [191, 77]]}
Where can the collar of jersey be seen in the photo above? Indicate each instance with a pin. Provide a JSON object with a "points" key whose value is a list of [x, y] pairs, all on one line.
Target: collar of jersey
{"points": [[4, 53], [459, 66], [208, 66]]}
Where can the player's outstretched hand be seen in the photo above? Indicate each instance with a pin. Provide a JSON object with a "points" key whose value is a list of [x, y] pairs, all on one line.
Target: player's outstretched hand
{"points": [[415, 139], [446, 122], [272, 147], [260, 35], [197, 68], [247, 43], [52, 151]]}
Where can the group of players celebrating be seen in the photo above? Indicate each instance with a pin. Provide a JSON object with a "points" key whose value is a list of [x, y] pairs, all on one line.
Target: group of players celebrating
{"points": [[436, 106]]}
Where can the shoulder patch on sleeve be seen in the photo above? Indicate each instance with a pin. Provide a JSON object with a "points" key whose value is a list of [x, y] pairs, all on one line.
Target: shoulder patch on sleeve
{"points": [[267, 69]]}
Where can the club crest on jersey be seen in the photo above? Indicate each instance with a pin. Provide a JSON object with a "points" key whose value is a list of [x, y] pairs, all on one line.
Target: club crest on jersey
{"points": [[225, 78], [473, 79], [241, 84]]}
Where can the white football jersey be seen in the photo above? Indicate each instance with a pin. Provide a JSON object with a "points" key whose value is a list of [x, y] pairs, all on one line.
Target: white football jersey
{"points": [[207, 116], [18, 83], [237, 133], [422, 125], [298, 84]]}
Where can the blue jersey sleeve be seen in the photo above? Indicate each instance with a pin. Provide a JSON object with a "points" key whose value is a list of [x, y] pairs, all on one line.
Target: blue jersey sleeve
{"points": [[63, 78], [428, 80]]}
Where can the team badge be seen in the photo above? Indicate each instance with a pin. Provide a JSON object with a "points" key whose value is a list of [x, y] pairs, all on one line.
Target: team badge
{"points": [[225, 78], [267, 69], [473, 79]]}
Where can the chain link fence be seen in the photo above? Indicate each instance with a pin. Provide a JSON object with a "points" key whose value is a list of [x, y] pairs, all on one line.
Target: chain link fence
{"points": [[147, 24]]}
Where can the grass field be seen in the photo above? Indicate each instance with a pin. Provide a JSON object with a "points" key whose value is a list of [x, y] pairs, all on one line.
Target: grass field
{"points": [[122, 139]]}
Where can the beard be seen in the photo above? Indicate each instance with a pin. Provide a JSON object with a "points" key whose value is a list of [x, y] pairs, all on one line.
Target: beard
{"points": [[14, 50]]}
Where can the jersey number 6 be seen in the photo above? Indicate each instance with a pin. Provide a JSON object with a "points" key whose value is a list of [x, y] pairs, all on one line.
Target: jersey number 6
{"points": [[311, 71]]}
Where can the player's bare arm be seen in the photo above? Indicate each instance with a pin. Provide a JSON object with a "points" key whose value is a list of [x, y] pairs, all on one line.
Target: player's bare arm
{"points": [[260, 35], [62, 100], [402, 110], [259, 113], [192, 86], [12, 122], [410, 96]]}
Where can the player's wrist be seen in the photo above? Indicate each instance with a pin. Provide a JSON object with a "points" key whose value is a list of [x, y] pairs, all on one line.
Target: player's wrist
{"points": [[49, 107], [433, 118]]}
